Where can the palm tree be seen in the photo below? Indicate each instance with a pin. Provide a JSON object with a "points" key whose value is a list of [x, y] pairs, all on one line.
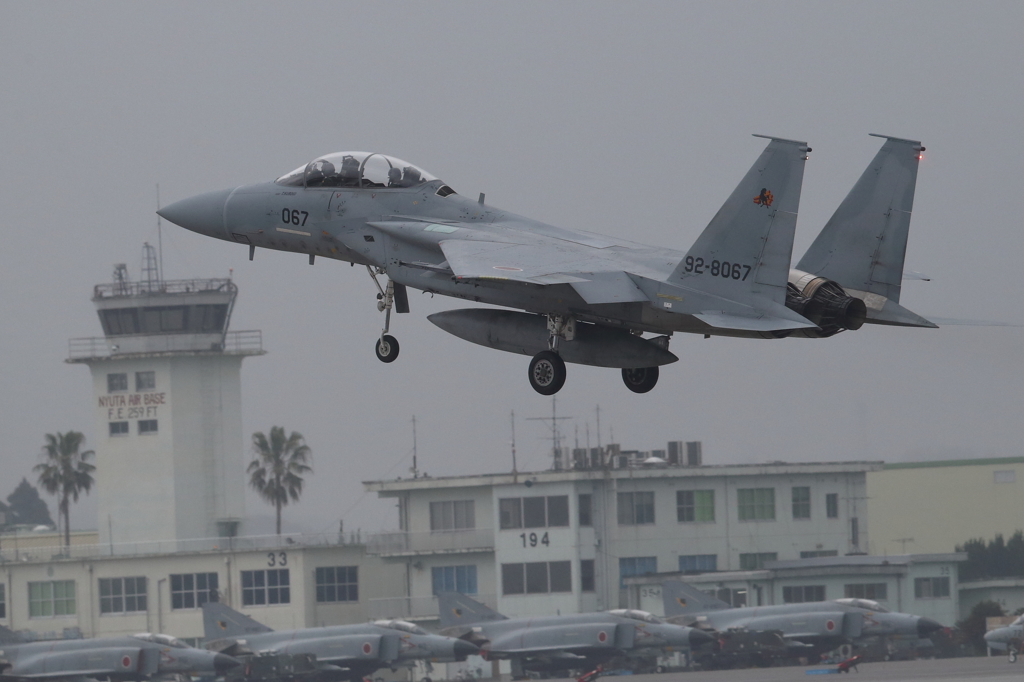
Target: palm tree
{"points": [[65, 473], [276, 471]]}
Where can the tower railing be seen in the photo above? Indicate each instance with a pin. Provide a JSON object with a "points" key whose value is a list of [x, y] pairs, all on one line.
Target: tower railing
{"points": [[174, 286], [247, 341]]}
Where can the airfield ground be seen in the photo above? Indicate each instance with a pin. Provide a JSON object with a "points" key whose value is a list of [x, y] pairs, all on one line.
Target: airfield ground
{"points": [[996, 669]]}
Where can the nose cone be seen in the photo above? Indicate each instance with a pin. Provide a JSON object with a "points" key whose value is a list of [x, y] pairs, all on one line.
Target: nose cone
{"points": [[698, 637], [222, 662], [203, 213], [462, 649], [926, 626]]}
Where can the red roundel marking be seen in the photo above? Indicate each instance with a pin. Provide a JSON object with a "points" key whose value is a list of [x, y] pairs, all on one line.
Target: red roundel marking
{"points": [[367, 648], [126, 661], [602, 636], [830, 626]]}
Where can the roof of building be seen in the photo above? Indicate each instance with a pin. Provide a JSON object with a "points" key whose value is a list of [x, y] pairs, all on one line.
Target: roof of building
{"points": [[486, 480], [955, 463]]}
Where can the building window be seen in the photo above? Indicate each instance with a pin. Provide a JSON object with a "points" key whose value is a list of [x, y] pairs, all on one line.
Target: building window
{"points": [[636, 565], [145, 381], [756, 560], [799, 594], [533, 512], [117, 382], [453, 579], [337, 584], [51, 598], [192, 590], [876, 591], [147, 426], [3, 600], [539, 577], [586, 507], [452, 515], [695, 506], [756, 504], [636, 509], [832, 505], [801, 502], [266, 586], [854, 532], [698, 563], [587, 575], [118, 429], [122, 595], [931, 588], [818, 553]]}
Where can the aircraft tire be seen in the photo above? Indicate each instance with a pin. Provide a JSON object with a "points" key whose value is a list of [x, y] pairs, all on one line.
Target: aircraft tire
{"points": [[547, 372], [640, 379], [386, 348]]}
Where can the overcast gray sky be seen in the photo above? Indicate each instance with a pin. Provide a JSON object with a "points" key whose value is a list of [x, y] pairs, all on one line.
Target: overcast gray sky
{"points": [[629, 119]]}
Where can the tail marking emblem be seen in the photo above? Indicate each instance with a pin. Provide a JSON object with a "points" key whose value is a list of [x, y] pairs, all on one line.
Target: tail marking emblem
{"points": [[764, 198]]}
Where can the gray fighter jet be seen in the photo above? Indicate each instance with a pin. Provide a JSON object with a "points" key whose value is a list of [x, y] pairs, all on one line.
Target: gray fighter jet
{"points": [[569, 642], [343, 652], [1008, 639], [808, 627], [588, 299], [139, 657]]}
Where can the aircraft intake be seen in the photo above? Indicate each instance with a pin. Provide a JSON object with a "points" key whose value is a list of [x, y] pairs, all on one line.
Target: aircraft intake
{"points": [[824, 303]]}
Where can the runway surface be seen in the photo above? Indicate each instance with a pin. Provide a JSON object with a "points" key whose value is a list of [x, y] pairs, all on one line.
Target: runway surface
{"points": [[994, 669]]}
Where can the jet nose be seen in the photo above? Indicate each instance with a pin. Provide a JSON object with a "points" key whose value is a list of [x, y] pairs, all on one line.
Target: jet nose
{"points": [[462, 649], [698, 637], [203, 213], [926, 626], [222, 662]]}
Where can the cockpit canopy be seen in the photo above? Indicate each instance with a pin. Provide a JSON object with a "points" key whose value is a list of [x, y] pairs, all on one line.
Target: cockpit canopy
{"points": [[403, 625], [356, 169], [165, 640], [1019, 621], [868, 604], [635, 614]]}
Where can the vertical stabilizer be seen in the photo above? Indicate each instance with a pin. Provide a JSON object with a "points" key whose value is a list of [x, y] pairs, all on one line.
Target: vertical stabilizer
{"points": [[863, 245], [220, 622], [744, 253], [458, 609], [680, 599]]}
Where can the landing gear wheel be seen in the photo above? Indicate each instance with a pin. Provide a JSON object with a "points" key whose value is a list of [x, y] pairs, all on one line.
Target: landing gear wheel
{"points": [[547, 372], [640, 379], [387, 348]]}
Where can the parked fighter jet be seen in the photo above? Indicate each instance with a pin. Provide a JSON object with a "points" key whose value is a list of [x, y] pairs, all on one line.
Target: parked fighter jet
{"points": [[138, 657], [1008, 639], [569, 642], [808, 627], [343, 652], [588, 299]]}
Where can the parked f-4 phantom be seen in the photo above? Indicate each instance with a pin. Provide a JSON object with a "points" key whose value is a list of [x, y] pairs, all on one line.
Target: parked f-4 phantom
{"points": [[567, 642], [138, 657], [1008, 638], [818, 626], [343, 652], [586, 298]]}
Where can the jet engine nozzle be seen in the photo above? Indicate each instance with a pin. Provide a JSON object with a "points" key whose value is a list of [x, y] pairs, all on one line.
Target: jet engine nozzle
{"points": [[825, 303]]}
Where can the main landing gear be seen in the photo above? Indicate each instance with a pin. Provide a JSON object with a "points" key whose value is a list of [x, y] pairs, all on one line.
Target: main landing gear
{"points": [[387, 345], [547, 369]]}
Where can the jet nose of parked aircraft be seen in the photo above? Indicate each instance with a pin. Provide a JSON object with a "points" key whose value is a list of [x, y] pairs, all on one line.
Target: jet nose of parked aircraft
{"points": [[462, 649], [926, 626], [222, 662], [698, 637], [203, 213]]}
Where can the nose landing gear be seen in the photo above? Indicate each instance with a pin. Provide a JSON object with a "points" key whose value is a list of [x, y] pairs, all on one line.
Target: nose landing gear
{"points": [[386, 347]]}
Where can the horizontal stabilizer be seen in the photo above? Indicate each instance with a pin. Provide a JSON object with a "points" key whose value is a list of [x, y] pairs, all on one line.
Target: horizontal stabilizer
{"points": [[881, 310], [762, 323]]}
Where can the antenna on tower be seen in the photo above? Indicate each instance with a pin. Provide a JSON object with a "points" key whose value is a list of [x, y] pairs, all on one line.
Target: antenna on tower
{"points": [[121, 279], [515, 472], [556, 437], [159, 234], [150, 269], [414, 470]]}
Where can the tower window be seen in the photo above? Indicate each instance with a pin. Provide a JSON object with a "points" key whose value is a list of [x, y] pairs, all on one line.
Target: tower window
{"points": [[117, 382], [145, 381], [118, 429], [147, 426]]}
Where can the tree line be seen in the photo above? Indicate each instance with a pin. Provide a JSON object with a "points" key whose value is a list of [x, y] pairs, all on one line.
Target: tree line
{"points": [[993, 559]]}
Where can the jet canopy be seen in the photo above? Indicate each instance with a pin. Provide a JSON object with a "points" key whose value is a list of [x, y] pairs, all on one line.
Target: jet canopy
{"points": [[1019, 621], [356, 169], [635, 614], [867, 604], [402, 625], [165, 640]]}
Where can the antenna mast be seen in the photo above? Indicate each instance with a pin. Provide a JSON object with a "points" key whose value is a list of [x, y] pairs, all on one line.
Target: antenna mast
{"points": [[414, 470], [515, 472], [556, 438], [159, 235]]}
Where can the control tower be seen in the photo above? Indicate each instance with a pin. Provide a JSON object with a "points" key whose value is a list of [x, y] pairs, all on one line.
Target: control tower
{"points": [[166, 384]]}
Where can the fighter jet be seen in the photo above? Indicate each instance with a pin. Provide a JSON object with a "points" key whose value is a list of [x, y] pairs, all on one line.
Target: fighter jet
{"points": [[569, 642], [587, 298], [343, 652], [808, 627], [139, 657], [1007, 638]]}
